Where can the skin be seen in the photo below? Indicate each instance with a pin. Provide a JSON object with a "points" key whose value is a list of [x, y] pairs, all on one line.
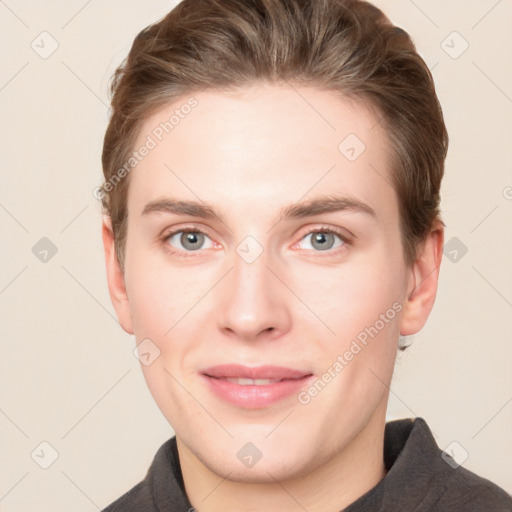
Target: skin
{"points": [[250, 154]]}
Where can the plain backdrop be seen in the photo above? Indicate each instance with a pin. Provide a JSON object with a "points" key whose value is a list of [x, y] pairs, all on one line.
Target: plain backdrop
{"points": [[68, 376]]}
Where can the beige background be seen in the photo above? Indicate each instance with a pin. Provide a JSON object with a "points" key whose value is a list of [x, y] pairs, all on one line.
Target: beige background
{"points": [[68, 376]]}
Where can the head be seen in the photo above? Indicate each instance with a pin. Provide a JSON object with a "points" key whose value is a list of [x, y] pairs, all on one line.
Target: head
{"points": [[309, 137]]}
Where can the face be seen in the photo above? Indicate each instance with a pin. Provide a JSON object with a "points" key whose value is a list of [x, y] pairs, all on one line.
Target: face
{"points": [[288, 268]]}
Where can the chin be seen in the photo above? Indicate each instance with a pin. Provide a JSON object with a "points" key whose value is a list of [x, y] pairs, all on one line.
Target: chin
{"points": [[265, 471], [260, 458]]}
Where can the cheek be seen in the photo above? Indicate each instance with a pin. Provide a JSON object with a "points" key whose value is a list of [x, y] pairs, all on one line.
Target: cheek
{"points": [[364, 312], [361, 303], [159, 293], [151, 305], [358, 293]]}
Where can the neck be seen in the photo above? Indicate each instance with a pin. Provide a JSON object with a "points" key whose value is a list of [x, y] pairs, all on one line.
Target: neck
{"points": [[332, 486]]}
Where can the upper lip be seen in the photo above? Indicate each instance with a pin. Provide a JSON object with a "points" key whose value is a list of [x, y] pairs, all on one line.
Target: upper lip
{"points": [[254, 372]]}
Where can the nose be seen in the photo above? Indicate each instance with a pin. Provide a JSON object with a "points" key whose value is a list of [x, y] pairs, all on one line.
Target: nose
{"points": [[253, 301]]}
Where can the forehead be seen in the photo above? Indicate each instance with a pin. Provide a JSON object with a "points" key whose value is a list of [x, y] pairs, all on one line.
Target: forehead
{"points": [[263, 145]]}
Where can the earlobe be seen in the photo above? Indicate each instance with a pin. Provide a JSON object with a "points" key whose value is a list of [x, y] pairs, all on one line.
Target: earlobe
{"points": [[422, 286], [115, 278]]}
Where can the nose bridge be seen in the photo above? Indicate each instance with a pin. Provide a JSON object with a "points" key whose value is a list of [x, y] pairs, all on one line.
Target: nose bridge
{"points": [[252, 300], [250, 274]]}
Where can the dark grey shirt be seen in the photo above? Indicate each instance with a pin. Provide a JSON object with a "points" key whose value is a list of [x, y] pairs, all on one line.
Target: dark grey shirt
{"points": [[420, 479]]}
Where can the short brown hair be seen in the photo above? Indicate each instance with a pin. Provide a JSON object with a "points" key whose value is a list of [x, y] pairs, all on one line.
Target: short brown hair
{"points": [[347, 46]]}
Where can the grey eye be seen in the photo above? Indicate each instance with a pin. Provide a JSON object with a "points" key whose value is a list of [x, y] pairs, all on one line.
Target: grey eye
{"points": [[323, 240], [189, 240]]}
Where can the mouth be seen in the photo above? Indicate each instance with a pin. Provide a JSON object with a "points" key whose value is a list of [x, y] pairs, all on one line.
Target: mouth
{"points": [[251, 382], [254, 387], [267, 372]]}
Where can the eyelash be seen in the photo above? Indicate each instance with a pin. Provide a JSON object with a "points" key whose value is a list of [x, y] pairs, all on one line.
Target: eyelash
{"points": [[188, 254]]}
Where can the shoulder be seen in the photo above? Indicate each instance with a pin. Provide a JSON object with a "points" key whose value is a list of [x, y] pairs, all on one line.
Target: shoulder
{"points": [[136, 499], [423, 477], [160, 479], [465, 491]]}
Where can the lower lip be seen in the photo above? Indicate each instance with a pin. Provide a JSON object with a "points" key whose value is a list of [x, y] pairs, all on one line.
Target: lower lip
{"points": [[255, 397]]}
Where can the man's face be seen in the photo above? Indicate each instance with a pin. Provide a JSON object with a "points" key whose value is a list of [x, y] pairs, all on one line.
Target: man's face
{"points": [[255, 288]]}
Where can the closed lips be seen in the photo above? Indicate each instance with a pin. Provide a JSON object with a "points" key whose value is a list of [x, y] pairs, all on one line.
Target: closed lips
{"points": [[252, 382], [254, 387], [260, 375]]}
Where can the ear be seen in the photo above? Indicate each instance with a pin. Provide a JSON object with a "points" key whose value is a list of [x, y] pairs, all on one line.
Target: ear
{"points": [[422, 284], [115, 278]]}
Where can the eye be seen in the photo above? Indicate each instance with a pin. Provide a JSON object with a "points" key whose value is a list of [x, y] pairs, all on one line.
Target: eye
{"points": [[324, 239], [190, 240]]}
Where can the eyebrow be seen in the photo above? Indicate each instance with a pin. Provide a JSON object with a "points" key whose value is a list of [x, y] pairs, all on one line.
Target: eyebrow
{"points": [[316, 206]]}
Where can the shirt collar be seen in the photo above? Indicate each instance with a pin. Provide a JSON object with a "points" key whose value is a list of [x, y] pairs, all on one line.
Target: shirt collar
{"points": [[412, 459]]}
